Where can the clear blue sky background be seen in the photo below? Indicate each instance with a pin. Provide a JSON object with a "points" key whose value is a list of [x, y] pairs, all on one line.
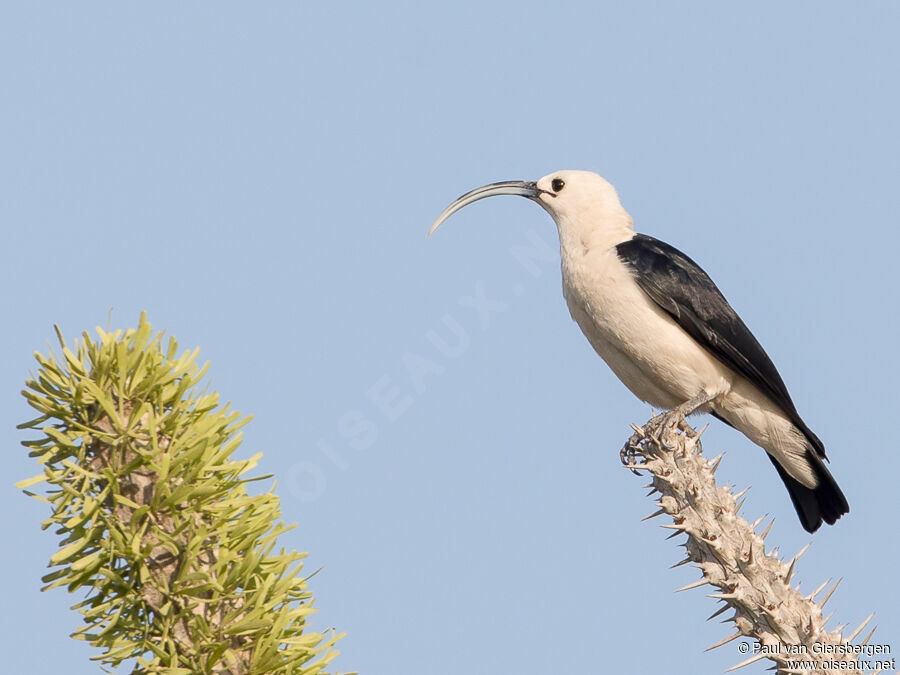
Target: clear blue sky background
{"points": [[260, 177]]}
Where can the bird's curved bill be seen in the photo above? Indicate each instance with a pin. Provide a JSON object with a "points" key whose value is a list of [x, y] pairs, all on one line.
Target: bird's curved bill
{"points": [[519, 188]]}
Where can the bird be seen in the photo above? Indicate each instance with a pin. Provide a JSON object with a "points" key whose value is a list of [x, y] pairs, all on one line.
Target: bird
{"points": [[667, 332]]}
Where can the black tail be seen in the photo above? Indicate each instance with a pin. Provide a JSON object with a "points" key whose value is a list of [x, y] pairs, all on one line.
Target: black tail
{"points": [[824, 502], [813, 505]]}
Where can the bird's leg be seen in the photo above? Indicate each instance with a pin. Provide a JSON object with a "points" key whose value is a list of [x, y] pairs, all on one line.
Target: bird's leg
{"points": [[670, 418], [675, 416]]}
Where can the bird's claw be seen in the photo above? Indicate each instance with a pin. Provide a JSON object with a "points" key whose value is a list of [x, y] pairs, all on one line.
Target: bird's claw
{"points": [[673, 419], [630, 452], [669, 420]]}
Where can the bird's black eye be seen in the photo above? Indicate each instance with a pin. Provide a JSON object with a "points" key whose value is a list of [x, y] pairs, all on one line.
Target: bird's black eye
{"points": [[558, 184]]}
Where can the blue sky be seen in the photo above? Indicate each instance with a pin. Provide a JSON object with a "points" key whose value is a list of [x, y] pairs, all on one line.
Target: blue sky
{"points": [[260, 179]]}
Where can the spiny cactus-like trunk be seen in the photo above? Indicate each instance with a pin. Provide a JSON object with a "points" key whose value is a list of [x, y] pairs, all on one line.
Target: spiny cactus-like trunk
{"points": [[755, 585]]}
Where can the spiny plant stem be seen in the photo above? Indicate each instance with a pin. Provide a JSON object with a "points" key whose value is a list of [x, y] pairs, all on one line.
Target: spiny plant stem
{"points": [[731, 555]]}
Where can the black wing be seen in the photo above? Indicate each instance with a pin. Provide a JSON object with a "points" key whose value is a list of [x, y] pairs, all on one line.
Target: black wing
{"points": [[685, 292]]}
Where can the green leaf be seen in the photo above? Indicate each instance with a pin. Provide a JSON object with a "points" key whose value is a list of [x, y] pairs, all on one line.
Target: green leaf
{"points": [[28, 482], [68, 551]]}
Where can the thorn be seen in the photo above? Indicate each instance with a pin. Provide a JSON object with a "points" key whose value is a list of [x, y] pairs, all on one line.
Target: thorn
{"points": [[742, 493], [750, 554], [717, 612], [674, 534], [758, 521], [790, 572], [766, 531], [635, 467], [638, 431], [827, 619], [828, 595], [740, 505], [673, 526], [721, 596], [724, 642], [859, 629], [715, 461], [681, 562], [653, 515], [695, 584], [702, 431], [752, 659], [648, 486], [787, 577], [812, 595], [869, 636]]}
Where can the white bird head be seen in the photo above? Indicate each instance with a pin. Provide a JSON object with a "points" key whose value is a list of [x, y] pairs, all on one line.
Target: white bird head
{"points": [[580, 202]]}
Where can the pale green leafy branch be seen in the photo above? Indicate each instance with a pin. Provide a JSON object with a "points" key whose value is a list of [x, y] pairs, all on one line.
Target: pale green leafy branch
{"points": [[178, 562]]}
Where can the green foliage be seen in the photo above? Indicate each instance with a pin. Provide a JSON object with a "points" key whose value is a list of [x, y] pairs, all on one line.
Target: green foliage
{"points": [[177, 559]]}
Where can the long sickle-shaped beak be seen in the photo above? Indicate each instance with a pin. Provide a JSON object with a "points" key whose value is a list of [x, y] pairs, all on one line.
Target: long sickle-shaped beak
{"points": [[519, 188]]}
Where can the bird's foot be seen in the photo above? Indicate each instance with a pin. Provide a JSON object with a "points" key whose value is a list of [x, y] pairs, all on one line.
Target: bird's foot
{"points": [[659, 426], [630, 453], [669, 422], [671, 419], [674, 419]]}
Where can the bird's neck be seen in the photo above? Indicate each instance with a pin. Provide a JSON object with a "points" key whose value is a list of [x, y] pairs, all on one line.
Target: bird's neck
{"points": [[600, 229]]}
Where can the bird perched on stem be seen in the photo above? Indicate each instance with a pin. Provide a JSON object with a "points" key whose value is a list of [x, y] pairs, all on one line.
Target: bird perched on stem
{"points": [[668, 333]]}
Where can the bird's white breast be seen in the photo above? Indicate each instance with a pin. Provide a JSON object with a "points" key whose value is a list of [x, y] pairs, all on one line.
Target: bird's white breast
{"points": [[645, 348]]}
